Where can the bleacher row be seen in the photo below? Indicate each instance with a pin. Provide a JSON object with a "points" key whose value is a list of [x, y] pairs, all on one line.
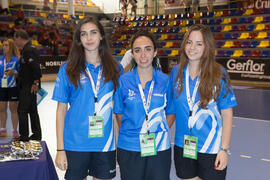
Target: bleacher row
{"points": [[36, 26], [246, 31]]}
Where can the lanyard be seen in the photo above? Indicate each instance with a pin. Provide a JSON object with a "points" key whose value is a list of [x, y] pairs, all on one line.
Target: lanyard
{"points": [[146, 105], [95, 89], [5, 66], [191, 100]]}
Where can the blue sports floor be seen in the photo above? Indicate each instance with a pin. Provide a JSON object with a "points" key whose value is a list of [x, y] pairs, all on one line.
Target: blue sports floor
{"points": [[250, 145]]}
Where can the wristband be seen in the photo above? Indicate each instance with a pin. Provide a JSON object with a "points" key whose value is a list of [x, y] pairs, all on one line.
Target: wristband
{"points": [[60, 150], [225, 150]]}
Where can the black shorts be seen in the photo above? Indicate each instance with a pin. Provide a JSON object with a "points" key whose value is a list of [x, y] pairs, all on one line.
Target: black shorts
{"points": [[9, 94], [97, 164], [135, 167], [203, 167]]}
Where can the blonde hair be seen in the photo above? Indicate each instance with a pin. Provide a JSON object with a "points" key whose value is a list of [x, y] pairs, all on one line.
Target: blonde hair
{"points": [[13, 50]]}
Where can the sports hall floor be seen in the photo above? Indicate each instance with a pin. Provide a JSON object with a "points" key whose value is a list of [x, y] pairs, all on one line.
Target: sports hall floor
{"points": [[250, 145]]}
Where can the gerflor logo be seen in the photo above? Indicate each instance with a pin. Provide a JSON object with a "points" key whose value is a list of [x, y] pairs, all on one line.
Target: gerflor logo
{"points": [[245, 67]]}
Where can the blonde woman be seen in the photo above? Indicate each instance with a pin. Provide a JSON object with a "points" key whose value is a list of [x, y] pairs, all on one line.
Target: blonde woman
{"points": [[9, 68]]}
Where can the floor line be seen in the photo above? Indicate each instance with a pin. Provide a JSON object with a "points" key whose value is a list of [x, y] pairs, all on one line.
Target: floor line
{"points": [[252, 119]]}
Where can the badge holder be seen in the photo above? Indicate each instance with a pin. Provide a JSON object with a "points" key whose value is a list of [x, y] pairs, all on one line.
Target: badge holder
{"points": [[96, 126], [4, 82], [148, 144], [190, 147]]}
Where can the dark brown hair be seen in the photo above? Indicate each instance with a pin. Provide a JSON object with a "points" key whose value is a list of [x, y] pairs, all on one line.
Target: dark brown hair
{"points": [[76, 58], [22, 34], [210, 71]]}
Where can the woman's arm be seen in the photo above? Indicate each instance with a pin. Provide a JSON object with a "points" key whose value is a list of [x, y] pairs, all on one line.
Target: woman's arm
{"points": [[118, 119], [61, 159], [222, 156], [170, 119]]}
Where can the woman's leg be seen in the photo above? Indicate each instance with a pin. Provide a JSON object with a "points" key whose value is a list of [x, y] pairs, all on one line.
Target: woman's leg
{"points": [[13, 105], [3, 118]]}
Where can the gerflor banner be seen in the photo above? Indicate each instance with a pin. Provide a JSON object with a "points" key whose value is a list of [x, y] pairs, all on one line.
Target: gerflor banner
{"points": [[251, 69]]}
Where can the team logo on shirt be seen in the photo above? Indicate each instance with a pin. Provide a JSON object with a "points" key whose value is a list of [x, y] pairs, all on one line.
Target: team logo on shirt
{"points": [[156, 94], [131, 94]]}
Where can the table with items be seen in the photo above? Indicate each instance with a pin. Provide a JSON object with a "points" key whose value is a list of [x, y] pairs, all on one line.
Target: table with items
{"points": [[26, 160]]}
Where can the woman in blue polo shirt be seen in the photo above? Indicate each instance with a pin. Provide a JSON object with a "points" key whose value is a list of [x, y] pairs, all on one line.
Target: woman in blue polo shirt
{"points": [[143, 150], [202, 102], [85, 134], [9, 68]]}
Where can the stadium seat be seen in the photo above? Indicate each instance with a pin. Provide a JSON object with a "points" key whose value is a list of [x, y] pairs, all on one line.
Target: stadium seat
{"points": [[244, 35], [226, 21], [242, 20], [237, 53], [163, 37], [250, 19], [261, 35], [235, 28], [212, 28], [267, 27], [225, 13], [227, 28], [263, 44], [220, 53], [174, 52], [248, 12], [153, 30], [252, 35], [218, 29], [243, 28], [161, 52], [266, 19], [265, 54], [228, 44], [256, 53], [236, 44], [123, 51], [164, 30], [183, 30], [218, 21], [168, 44], [212, 22], [235, 35], [254, 44], [228, 53], [184, 23], [172, 16], [258, 19], [247, 53], [218, 14], [176, 45], [219, 44], [219, 36], [170, 36], [197, 15], [259, 27], [246, 44], [234, 21], [251, 27], [228, 36], [190, 15]]}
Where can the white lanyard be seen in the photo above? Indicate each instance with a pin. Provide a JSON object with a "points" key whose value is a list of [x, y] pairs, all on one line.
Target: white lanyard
{"points": [[191, 100], [95, 89], [5, 66], [146, 105]]}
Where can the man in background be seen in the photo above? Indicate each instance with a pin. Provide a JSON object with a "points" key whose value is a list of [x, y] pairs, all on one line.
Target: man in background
{"points": [[28, 83]]}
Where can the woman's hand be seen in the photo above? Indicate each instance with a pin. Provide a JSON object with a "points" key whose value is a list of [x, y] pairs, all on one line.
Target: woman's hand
{"points": [[221, 160], [61, 160]]}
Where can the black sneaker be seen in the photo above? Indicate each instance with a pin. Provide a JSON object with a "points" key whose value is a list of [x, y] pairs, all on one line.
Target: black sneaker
{"points": [[35, 137]]}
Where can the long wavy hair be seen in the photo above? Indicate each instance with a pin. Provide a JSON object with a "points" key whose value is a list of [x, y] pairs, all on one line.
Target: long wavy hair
{"points": [[13, 50], [76, 57], [211, 72]]}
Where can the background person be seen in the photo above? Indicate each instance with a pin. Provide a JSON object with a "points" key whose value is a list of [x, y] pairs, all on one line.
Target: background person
{"points": [[85, 133], [140, 102], [202, 101], [29, 83], [9, 68]]}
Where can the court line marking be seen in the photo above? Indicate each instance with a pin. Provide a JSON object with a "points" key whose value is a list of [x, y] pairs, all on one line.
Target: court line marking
{"points": [[267, 160], [246, 156], [251, 119]]}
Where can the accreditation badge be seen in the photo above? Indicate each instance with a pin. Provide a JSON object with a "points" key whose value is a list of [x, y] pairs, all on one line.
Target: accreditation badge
{"points": [[4, 82], [148, 144], [96, 126], [190, 147]]}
